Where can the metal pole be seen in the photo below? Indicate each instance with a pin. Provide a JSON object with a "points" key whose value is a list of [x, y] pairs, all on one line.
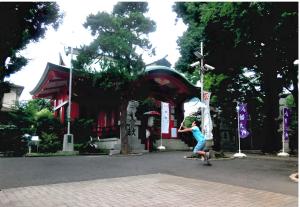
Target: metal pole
{"points": [[70, 92], [239, 154], [283, 130], [202, 86], [283, 153], [238, 118]]}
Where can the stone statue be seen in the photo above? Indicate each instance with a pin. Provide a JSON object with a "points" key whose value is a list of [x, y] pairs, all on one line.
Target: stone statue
{"points": [[131, 110]]}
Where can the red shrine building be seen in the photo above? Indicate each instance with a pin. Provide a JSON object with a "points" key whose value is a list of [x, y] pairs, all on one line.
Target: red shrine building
{"points": [[159, 83]]}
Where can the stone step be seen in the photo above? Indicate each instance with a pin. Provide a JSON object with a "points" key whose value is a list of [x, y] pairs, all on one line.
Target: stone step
{"points": [[173, 144]]}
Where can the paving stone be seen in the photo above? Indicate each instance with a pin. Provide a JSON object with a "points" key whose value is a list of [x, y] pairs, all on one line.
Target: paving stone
{"points": [[144, 190]]}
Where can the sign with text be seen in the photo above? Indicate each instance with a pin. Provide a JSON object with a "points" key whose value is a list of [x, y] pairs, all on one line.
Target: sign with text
{"points": [[165, 120], [243, 120]]}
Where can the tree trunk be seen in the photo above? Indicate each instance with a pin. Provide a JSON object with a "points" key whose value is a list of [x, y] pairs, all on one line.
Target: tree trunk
{"points": [[271, 108], [123, 128], [293, 140], [2, 76], [295, 91]]}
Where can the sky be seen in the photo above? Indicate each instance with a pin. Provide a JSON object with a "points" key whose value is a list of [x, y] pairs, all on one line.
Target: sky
{"points": [[72, 33]]}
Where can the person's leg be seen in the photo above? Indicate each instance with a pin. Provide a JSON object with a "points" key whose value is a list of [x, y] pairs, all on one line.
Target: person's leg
{"points": [[203, 152], [198, 149]]}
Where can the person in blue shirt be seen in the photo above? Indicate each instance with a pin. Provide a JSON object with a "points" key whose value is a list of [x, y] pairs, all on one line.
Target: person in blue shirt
{"points": [[199, 148]]}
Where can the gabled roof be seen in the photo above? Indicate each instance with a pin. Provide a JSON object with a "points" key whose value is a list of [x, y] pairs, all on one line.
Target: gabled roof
{"points": [[169, 85], [161, 79], [166, 70], [53, 79]]}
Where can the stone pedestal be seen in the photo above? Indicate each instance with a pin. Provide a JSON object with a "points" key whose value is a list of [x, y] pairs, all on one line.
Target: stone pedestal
{"points": [[134, 143], [284, 150], [68, 145]]}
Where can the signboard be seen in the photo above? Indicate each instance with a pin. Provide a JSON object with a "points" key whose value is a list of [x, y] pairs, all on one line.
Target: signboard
{"points": [[35, 138], [165, 118], [243, 119]]}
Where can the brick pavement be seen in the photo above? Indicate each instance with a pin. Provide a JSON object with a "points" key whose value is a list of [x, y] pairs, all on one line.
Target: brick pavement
{"points": [[143, 190]]}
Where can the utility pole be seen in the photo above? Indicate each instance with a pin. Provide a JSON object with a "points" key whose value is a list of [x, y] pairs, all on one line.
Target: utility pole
{"points": [[202, 85], [203, 67], [68, 144]]}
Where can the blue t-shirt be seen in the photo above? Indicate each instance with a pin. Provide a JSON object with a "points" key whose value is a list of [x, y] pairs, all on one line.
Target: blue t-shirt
{"points": [[197, 134]]}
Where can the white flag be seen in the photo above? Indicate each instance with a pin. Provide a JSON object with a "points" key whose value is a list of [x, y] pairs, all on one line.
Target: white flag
{"points": [[192, 106], [165, 118], [207, 118]]}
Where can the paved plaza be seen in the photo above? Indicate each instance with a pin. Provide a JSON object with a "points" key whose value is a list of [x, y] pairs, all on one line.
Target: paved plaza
{"points": [[154, 179], [143, 190]]}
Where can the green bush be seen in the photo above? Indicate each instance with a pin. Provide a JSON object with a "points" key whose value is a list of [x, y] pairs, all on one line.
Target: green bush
{"points": [[82, 130], [11, 141], [48, 125], [49, 143]]}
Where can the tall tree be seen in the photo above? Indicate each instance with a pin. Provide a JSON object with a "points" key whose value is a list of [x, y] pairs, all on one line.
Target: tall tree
{"points": [[21, 23], [118, 38], [260, 36]]}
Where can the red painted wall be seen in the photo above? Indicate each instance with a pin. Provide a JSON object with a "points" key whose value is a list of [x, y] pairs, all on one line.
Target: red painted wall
{"points": [[74, 111]]}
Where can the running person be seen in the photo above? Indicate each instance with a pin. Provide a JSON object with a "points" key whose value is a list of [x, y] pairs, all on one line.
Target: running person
{"points": [[199, 148]]}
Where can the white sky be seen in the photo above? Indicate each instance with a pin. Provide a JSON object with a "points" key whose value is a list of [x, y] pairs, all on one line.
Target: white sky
{"points": [[72, 33]]}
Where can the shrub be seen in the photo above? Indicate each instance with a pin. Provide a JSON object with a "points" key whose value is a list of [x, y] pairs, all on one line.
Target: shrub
{"points": [[49, 143], [82, 130], [11, 141]]}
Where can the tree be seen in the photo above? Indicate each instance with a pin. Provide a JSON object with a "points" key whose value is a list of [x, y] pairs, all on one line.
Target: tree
{"points": [[118, 38], [21, 23], [34, 118], [259, 36]]}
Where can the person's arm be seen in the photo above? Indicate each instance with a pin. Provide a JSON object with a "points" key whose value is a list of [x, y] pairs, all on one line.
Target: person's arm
{"points": [[184, 129]]}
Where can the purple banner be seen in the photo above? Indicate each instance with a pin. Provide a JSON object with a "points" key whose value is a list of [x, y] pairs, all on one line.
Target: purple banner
{"points": [[286, 121], [243, 119]]}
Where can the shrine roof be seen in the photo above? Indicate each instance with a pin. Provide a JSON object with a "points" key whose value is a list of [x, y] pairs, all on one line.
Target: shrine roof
{"points": [[169, 71], [55, 77]]}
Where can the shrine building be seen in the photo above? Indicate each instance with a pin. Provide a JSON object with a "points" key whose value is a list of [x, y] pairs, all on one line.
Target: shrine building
{"points": [[159, 83]]}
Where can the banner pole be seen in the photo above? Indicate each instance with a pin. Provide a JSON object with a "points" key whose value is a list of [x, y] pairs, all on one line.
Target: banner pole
{"points": [[239, 154], [283, 129], [283, 154], [162, 123], [238, 118]]}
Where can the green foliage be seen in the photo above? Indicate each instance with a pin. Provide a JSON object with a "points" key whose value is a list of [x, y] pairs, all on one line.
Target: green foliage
{"points": [[49, 143], [44, 113], [12, 126], [10, 140], [46, 124], [290, 101], [259, 36], [29, 118], [28, 21], [148, 104], [35, 105], [83, 129], [117, 37], [19, 118]]}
